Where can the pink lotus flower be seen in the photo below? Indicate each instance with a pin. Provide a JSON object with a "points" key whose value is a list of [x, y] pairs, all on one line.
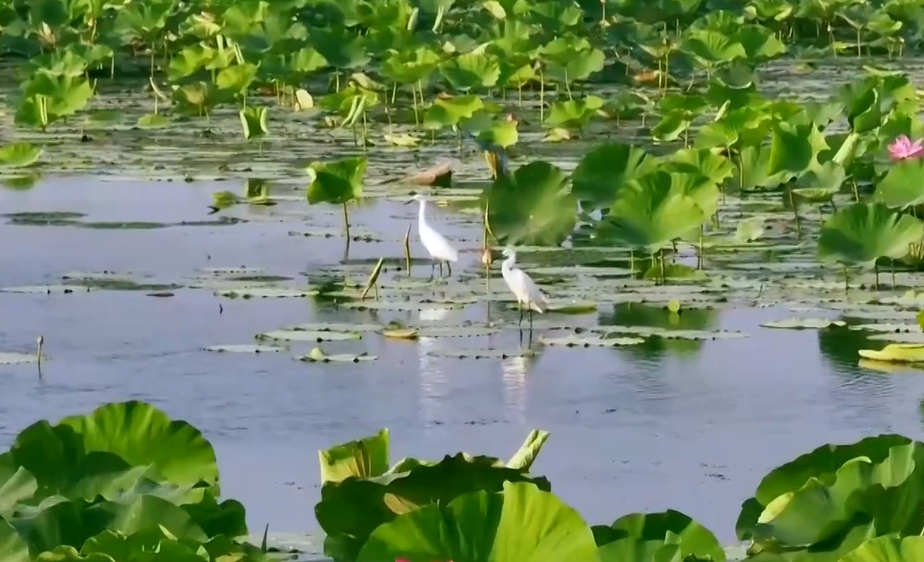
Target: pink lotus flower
{"points": [[903, 148]]}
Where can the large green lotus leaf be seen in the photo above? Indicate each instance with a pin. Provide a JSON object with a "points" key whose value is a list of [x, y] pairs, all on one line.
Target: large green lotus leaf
{"points": [[569, 58], [59, 522], [573, 114], [523, 524], [821, 494], [862, 105], [525, 456], [471, 71], [666, 535], [703, 161], [12, 547], [865, 232], [362, 458], [651, 213], [16, 484], [531, 207], [448, 111], [888, 549], [336, 182], [758, 42], [407, 67], [64, 95], [791, 148], [831, 551], [158, 545], [350, 510], [712, 47], [903, 185], [605, 170], [138, 434]]}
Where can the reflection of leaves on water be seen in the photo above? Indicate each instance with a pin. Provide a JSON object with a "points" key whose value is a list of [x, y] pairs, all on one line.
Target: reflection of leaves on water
{"points": [[658, 316], [839, 346]]}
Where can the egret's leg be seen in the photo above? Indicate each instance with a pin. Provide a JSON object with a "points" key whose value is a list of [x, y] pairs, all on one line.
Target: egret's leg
{"points": [[432, 270], [530, 319], [520, 308], [449, 267], [441, 269]]}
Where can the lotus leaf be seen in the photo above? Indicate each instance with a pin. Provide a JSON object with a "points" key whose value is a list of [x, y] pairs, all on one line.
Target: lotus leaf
{"points": [[470, 71], [865, 232], [449, 111], [523, 459], [803, 324], [651, 213], [823, 494], [336, 182], [896, 353], [605, 170], [309, 335], [318, 356], [523, 524], [532, 206], [244, 348], [888, 549], [12, 547], [570, 58], [656, 536], [14, 358], [351, 509], [19, 155], [903, 185], [362, 458], [253, 120]]}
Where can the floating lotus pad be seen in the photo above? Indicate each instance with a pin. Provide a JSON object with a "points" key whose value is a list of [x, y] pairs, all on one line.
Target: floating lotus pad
{"points": [[318, 356], [309, 335], [482, 353], [803, 324], [590, 341], [560, 307], [887, 327], [896, 353], [266, 293], [334, 327], [15, 358], [48, 289], [244, 348]]}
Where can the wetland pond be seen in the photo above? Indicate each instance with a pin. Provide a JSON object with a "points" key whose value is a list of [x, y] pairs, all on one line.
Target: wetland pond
{"points": [[129, 282]]}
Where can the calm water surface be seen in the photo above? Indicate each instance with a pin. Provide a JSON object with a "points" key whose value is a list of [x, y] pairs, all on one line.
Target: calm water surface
{"points": [[692, 426]]}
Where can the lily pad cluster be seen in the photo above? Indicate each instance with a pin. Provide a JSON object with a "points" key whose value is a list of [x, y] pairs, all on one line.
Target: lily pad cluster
{"points": [[121, 483], [848, 503]]}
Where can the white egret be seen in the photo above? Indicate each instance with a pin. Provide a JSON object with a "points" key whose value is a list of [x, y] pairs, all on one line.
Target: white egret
{"points": [[524, 289], [435, 243]]}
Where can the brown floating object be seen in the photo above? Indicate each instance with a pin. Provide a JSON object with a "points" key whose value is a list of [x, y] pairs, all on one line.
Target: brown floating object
{"points": [[436, 176]]}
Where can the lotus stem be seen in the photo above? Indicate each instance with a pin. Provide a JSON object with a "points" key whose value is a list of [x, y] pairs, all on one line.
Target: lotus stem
{"points": [[892, 271], [663, 274], [346, 227], [38, 354], [541, 94], [373, 280], [846, 280], [407, 250], [702, 230], [876, 272]]}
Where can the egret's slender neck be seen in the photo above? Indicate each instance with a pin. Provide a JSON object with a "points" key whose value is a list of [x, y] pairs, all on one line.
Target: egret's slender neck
{"points": [[509, 262], [420, 213]]}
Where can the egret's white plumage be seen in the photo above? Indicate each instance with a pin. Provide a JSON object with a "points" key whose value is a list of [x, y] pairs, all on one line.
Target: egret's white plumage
{"points": [[523, 287], [435, 243]]}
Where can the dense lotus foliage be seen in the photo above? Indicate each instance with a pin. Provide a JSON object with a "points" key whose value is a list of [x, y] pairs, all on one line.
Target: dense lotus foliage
{"points": [[124, 483]]}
